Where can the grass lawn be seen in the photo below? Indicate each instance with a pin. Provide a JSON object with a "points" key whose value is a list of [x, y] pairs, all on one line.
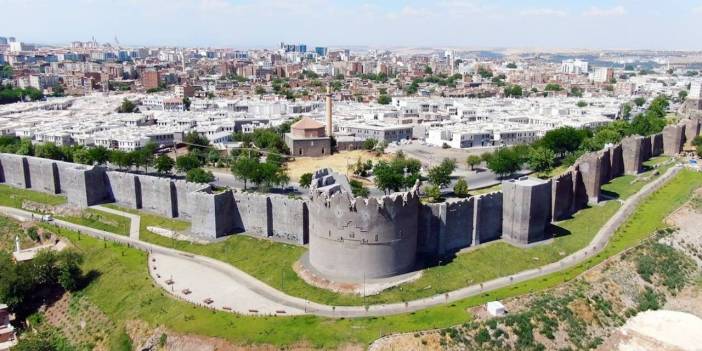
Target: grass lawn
{"points": [[8, 229], [628, 185], [101, 220], [272, 262], [124, 291], [13, 197]]}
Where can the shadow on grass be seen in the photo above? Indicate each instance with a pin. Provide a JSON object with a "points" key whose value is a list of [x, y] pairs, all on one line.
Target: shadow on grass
{"points": [[88, 278], [608, 195], [555, 231]]}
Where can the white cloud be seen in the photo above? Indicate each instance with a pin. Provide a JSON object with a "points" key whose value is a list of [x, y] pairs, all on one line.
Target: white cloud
{"points": [[605, 12], [543, 12], [697, 10], [410, 12]]}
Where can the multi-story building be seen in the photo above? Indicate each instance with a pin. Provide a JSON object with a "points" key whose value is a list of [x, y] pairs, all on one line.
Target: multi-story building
{"points": [[150, 79], [575, 66], [602, 75]]}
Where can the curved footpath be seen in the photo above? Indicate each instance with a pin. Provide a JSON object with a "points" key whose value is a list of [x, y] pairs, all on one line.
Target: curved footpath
{"points": [[596, 245]]}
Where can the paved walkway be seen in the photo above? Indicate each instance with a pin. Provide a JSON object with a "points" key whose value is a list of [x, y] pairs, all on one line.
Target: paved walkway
{"points": [[296, 303], [210, 287], [135, 224]]}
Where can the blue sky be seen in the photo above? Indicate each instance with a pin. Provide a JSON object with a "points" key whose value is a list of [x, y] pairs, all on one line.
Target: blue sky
{"points": [[624, 24]]}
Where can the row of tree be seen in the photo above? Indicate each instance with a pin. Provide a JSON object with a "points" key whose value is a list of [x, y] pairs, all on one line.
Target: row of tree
{"points": [[564, 145], [144, 158], [10, 94], [25, 283]]}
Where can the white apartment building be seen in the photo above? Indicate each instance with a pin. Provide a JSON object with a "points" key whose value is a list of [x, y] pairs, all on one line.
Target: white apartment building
{"points": [[575, 66]]}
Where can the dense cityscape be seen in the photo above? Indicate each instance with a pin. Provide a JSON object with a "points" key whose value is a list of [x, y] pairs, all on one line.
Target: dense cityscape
{"points": [[305, 196]]}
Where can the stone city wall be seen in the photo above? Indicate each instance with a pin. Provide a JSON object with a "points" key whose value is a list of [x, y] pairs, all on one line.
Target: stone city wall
{"points": [[673, 139], [616, 161], [385, 233], [526, 211], [632, 153], [562, 196], [289, 219], [158, 195], [487, 217], [253, 214], [363, 238], [43, 175], [207, 220], [83, 185], [656, 144], [446, 227], [125, 189], [692, 129], [186, 207], [15, 170]]}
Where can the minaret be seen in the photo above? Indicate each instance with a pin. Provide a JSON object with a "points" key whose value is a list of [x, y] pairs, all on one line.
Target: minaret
{"points": [[330, 128]]}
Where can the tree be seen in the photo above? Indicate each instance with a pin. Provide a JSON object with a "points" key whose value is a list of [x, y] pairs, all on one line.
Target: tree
{"points": [[98, 155], [50, 151], [145, 155], [26, 147], [186, 163], [511, 65], [505, 161], [460, 189], [576, 91], [384, 99], [306, 180], [81, 156], [682, 95], [541, 159], [441, 175], [186, 103], [564, 139], [69, 271], [244, 167], [213, 157], [553, 87], [647, 123], [626, 111], [473, 160], [659, 106], [164, 164], [57, 90], [581, 104], [369, 144], [513, 91], [639, 101], [259, 90], [428, 70], [122, 159], [484, 73], [199, 175], [433, 193], [127, 106], [196, 141], [387, 178], [357, 188], [6, 71]]}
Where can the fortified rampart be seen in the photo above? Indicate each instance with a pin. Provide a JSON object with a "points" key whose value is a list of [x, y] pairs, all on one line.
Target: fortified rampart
{"points": [[526, 210], [356, 237], [348, 236]]}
